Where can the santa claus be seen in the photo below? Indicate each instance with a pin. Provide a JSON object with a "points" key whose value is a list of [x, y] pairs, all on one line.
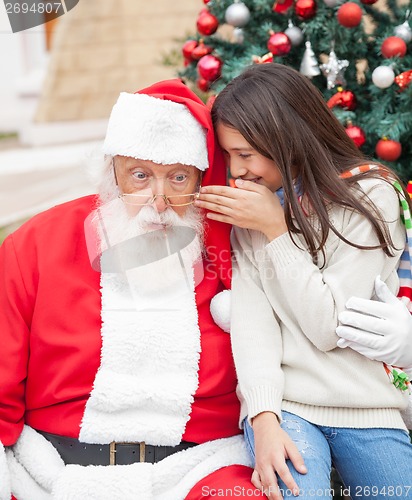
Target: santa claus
{"points": [[116, 381]]}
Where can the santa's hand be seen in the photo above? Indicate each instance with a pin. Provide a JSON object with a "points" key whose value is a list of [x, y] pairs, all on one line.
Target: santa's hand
{"points": [[378, 330]]}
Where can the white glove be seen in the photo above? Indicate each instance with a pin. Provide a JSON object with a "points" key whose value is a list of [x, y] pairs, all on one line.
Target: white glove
{"points": [[378, 330]]}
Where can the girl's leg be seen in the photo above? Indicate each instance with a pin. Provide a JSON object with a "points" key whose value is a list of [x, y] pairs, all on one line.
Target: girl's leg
{"points": [[315, 451], [373, 463]]}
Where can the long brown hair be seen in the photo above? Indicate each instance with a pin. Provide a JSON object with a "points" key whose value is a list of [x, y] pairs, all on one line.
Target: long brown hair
{"points": [[284, 117]]}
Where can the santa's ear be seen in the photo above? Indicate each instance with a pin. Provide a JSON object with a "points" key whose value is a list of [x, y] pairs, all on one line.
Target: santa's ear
{"points": [[220, 308]]}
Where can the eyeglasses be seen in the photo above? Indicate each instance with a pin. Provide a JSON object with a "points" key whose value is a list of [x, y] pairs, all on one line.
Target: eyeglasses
{"points": [[175, 200]]}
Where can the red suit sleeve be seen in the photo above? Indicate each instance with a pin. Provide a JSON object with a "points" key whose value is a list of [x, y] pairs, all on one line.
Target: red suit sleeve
{"points": [[14, 344]]}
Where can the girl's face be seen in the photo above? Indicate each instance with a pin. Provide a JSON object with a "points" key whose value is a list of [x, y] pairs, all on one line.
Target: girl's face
{"points": [[245, 162]]}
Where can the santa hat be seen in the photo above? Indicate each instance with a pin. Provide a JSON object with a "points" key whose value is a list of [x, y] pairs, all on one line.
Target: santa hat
{"points": [[157, 129], [168, 123]]}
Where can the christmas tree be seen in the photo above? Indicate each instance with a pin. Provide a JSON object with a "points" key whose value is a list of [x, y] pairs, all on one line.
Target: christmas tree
{"points": [[358, 53]]}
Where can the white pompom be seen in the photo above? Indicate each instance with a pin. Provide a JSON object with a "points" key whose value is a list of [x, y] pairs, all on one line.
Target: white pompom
{"points": [[220, 308]]}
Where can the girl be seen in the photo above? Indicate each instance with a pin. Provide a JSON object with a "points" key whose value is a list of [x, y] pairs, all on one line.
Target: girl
{"points": [[314, 224]]}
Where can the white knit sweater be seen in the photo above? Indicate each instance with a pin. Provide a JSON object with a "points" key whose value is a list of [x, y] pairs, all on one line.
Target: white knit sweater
{"points": [[285, 312]]}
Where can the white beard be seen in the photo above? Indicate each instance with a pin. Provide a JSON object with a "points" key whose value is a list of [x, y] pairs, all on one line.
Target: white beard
{"points": [[113, 232]]}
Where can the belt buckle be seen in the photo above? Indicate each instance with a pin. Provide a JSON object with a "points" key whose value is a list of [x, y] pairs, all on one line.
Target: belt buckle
{"points": [[112, 451]]}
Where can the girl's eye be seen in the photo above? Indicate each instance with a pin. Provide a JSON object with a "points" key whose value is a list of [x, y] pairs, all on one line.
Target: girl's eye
{"points": [[244, 155], [141, 176]]}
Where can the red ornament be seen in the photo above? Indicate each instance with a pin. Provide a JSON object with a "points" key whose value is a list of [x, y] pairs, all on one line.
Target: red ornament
{"points": [[279, 44], [203, 84], [349, 15], [281, 6], [404, 79], [209, 67], [207, 1], [305, 9], [207, 23], [368, 2], [187, 49], [393, 46], [388, 150], [409, 188], [201, 50], [344, 98], [356, 134]]}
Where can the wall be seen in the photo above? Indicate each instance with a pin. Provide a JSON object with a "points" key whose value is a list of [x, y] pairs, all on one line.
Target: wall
{"points": [[103, 47]]}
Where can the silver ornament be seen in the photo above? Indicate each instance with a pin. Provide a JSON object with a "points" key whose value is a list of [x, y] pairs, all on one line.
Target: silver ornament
{"points": [[383, 77], [334, 69], [309, 65], [332, 3], [294, 34], [237, 14], [403, 31], [238, 35]]}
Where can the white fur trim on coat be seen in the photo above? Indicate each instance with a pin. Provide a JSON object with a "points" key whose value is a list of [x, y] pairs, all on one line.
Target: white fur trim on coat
{"points": [[5, 488], [170, 479], [220, 309], [34, 466], [148, 128], [39, 475], [148, 373]]}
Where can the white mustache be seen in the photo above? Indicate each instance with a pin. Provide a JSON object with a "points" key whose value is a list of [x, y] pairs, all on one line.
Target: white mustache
{"points": [[148, 215]]}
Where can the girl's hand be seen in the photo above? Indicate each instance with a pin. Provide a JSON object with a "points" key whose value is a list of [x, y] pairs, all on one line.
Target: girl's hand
{"points": [[272, 447], [252, 206]]}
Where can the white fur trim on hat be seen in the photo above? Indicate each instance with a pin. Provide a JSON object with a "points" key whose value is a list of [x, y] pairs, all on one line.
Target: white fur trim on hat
{"points": [[162, 131]]}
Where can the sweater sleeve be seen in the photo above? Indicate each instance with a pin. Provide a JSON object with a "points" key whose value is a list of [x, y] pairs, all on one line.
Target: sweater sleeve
{"points": [[14, 335], [318, 296], [255, 335]]}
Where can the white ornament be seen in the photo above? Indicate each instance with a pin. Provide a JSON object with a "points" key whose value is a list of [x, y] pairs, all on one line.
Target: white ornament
{"points": [[220, 309], [237, 14], [332, 3], [238, 35], [309, 65], [383, 76], [403, 31], [294, 34], [334, 69]]}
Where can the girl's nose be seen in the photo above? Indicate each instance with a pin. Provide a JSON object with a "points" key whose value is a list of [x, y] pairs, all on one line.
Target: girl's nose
{"points": [[236, 170]]}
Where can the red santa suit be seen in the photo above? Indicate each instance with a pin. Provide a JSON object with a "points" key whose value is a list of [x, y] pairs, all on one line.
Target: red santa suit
{"points": [[73, 365]]}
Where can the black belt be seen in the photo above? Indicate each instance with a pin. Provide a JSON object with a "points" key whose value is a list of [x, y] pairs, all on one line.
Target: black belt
{"points": [[73, 451]]}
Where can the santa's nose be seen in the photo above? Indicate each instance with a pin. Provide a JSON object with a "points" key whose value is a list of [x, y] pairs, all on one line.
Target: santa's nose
{"points": [[159, 203]]}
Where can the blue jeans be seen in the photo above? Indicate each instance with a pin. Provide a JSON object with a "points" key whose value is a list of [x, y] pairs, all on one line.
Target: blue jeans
{"points": [[373, 463]]}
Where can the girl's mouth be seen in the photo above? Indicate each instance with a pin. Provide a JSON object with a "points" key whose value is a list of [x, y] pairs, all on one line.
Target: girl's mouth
{"points": [[254, 179]]}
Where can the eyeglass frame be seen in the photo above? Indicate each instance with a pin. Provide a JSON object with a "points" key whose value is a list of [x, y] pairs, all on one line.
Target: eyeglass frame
{"points": [[153, 198]]}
